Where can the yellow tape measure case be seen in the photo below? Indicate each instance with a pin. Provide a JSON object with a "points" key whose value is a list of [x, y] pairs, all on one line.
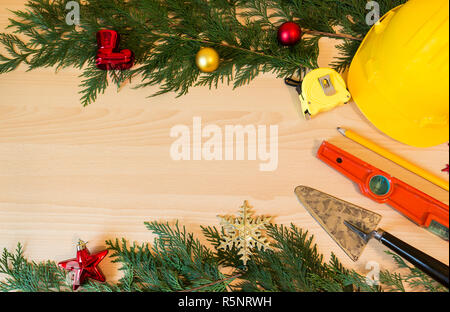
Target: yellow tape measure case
{"points": [[321, 90]]}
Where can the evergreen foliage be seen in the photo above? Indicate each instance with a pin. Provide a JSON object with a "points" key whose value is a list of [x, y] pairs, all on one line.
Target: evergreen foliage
{"points": [[414, 278], [177, 261], [165, 36], [30, 276]]}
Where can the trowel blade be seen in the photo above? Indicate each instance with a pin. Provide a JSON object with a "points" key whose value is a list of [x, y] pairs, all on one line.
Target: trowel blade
{"points": [[331, 212]]}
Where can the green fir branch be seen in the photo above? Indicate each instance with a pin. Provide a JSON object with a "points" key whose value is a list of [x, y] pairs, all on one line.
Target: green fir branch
{"points": [[22, 275], [393, 281], [295, 265], [94, 83], [177, 261], [414, 278], [166, 35]]}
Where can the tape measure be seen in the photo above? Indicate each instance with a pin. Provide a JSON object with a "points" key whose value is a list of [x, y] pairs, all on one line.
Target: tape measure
{"points": [[419, 207], [320, 90]]}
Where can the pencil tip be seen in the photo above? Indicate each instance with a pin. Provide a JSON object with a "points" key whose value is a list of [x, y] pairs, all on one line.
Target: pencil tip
{"points": [[342, 131]]}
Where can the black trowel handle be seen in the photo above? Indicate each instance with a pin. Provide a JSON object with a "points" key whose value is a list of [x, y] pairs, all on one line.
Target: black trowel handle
{"points": [[434, 268]]}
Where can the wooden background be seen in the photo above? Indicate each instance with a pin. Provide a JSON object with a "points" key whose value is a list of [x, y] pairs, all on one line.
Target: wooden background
{"points": [[97, 173]]}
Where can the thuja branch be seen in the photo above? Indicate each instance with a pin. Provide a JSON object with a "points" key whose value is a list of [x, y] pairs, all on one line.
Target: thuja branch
{"points": [[177, 261], [231, 278], [331, 35], [166, 34], [225, 45]]}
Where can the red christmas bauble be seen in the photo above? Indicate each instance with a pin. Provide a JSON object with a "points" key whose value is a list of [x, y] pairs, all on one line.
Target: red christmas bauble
{"points": [[289, 33]]}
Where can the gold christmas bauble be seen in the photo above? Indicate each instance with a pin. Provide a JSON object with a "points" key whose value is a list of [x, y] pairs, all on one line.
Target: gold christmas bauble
{"points": [[207, 60]]}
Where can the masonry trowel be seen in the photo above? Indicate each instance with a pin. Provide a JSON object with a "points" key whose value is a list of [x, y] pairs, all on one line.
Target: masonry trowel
{"points": [[352, 227], [331, 212]]}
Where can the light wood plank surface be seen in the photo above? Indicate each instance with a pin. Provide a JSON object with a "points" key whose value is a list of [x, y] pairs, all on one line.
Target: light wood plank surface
{"points": [[99, 172]]}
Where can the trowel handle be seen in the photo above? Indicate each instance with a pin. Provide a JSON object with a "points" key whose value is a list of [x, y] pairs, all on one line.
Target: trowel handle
{"points": [[434, 268]]}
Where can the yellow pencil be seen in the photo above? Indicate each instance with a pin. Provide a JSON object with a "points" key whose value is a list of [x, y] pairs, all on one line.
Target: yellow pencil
{"points": [[397, 159]]}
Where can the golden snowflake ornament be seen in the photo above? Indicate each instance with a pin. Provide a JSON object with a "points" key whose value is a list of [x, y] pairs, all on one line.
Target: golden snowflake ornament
{"points": [[244, 232]]}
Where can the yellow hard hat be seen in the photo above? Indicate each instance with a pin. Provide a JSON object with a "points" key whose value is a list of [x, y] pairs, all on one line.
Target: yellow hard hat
{"points": [[399, 77]]}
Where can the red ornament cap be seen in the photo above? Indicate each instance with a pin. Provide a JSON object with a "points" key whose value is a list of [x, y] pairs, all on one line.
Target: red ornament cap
{"points": [[289, 33], [84, 265]]}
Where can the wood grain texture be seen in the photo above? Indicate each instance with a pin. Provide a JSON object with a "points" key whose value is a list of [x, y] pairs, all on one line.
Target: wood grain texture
{"points": [[96, 173]]}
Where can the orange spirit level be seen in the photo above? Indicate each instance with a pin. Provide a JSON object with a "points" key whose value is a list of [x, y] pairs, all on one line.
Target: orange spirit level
{"points": [[422, 209]]}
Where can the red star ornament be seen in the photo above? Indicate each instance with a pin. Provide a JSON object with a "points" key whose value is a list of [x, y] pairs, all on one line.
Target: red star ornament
{"points": [[84, 265]]}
